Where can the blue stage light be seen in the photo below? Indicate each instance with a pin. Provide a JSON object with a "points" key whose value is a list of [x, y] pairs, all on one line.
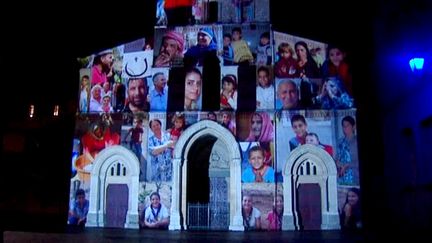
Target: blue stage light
{"points": [[416, 64]]}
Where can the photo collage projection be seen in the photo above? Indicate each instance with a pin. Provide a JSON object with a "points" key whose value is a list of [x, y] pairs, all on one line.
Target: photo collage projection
{"points": [[141, 96]]}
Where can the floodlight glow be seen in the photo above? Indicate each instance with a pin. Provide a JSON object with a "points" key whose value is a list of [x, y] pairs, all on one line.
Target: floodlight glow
{"points": [[416, 64]]}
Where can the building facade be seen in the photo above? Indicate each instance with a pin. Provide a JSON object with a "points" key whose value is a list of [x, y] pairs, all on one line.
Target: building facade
{"points": [[234, 126]]}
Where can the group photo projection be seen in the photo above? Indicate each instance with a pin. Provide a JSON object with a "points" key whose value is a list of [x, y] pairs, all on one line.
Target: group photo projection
{"points": [[216, 121]]}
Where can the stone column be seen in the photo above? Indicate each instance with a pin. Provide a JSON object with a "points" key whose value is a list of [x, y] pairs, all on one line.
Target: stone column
{"points": [[132, 217], [236, 219], [175, 211], [288, 215], [92, 216]]}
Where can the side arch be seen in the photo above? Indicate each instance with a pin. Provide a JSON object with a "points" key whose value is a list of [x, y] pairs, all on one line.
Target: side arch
{"points": [[101, 177], [322, 170]]}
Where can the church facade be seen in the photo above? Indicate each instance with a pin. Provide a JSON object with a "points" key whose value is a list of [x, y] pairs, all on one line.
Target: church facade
{"points": [[218, 122]]}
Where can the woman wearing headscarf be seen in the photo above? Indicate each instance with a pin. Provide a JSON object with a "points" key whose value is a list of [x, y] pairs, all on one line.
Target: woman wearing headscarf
{"points": [[206, 47], [261, 128]]}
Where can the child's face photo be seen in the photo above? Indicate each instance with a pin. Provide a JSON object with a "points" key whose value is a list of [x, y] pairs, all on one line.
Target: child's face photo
{"points": [[310, 139], [247, 202], [155, 201], [85, 82], [178, 123], [352, 198], [285, 54], [227, 86], [263, 79], [106, 86], [81, 199], [106, 101], [299, 128], [336, 56], [236, 35], [137, 123], [279, 203], [264, 40], [226, 41], [256, 159], [226, 118]]}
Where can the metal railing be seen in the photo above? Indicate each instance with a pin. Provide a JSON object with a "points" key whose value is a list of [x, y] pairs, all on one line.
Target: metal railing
{"points": [[203, 216]]}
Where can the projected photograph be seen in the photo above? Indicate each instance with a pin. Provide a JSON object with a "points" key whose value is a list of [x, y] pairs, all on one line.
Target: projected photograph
{"points": [[134, 133], [136, 95], [193, 89], [160, 148], [169, 47], [107, 66], [337, 66], [202, 43], [158, 89], [188, 12], [297, 93], [229, 86], [228, 120], [95, 133], [308, 55], [257, 203], [296, 128], [176, 124], [84, 90], [257, 162], [273, 219], [265, 90], [208, 115], [243, 11], [251, 44], [346, 156], [332, 95], [255, 127], [350, 207], [154, 197]]}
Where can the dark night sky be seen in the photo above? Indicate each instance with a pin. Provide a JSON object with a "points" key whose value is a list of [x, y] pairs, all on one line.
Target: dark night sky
{"points": [[41, 42]]}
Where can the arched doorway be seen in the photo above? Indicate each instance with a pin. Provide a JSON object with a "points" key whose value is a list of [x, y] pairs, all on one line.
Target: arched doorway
{"points": [[207, 185], [309, 178], [114, 189], [189, 141], [197, 181]]}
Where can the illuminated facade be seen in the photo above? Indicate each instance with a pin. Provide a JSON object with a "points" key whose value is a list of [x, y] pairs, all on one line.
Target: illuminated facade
{"points": [[235, 125]]}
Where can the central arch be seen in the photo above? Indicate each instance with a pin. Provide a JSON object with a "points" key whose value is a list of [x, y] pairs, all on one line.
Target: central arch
{"points": [[180, 162]]}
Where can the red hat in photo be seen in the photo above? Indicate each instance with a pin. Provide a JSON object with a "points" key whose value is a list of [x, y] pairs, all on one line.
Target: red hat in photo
{"points": [[177, 37]]}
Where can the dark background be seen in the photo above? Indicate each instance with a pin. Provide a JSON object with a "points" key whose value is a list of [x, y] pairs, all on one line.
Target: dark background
{"points": [[41, 41]]}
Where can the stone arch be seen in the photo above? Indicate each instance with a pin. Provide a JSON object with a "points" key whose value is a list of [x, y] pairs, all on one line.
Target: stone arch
{"points": [[186, 140], [101, 177], [323, 172]]}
